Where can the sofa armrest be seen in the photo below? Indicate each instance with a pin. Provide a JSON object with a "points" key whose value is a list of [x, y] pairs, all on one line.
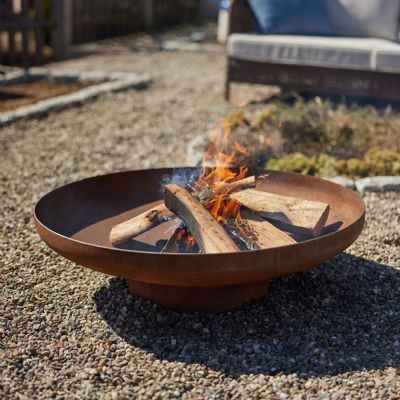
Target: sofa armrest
{"points": [[241, 19]]}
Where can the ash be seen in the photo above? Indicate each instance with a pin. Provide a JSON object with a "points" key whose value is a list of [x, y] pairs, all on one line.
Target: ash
{"points": [[242, 234]]}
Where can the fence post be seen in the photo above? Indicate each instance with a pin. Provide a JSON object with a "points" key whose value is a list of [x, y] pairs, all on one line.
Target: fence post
{"points": [[147, 13], [62, 31]]}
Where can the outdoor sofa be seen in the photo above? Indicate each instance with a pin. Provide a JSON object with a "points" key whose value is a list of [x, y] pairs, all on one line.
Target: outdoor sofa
{"points": [[358, 66]]}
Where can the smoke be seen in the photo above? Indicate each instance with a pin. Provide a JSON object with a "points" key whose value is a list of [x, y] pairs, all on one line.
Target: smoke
{"points": [[181, 176]]}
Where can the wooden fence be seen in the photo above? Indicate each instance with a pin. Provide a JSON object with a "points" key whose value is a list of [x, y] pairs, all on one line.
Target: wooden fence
{"points": [[94, 19], [158, 14], [34, 31], [30, 31]]}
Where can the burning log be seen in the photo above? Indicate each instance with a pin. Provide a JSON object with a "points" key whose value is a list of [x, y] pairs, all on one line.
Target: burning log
{"points": [[139, 224], [204, 194], [209, 234], [304, 215], [159, 214], [241, 184], [266, 234]]}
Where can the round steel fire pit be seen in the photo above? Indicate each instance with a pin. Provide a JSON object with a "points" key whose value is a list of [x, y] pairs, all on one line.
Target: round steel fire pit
{"points": [[75, 221]]}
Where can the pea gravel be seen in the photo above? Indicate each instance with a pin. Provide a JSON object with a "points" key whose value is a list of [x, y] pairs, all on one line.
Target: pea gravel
{"points": [[71, 333]]}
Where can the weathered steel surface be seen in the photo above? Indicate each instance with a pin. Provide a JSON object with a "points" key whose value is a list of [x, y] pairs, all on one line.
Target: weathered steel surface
{"points": [[75, 220]]}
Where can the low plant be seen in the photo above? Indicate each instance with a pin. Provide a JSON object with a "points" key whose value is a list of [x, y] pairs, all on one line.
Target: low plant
{"points": [[319, 126], [375, 162], [318, 137]]}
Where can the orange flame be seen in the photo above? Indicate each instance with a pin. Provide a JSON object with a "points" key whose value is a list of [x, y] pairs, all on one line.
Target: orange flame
{"points": [[180, 234], [190, 241], [188, 238], [219, 167]]}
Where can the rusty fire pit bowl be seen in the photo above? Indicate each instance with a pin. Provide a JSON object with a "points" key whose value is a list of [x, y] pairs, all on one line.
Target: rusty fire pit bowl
{"points": [[75, 221]]}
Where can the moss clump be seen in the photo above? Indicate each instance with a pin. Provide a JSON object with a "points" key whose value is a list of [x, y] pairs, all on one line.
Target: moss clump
{"points": [[266, 115], [325, 166], [236, 117], [356, 167], [341, 167], [375, 162], [383, 161], [295, 162]]}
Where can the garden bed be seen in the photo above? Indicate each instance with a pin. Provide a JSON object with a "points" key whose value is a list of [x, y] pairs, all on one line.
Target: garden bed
{"points": [[320, 138], [31, 93], [23, 93]]}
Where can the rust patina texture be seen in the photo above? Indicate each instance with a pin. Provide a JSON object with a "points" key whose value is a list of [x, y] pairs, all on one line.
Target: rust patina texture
{"points": [[75, 221]]}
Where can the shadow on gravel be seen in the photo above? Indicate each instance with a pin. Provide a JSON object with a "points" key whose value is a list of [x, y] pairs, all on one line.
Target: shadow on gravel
{"points": [[342, 316]]}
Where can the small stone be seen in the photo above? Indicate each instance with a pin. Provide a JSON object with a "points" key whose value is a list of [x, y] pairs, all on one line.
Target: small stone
{"points": [[343, 181], [199, 374], [378, 184], [114, 395], [198, 37], [32, 351]]}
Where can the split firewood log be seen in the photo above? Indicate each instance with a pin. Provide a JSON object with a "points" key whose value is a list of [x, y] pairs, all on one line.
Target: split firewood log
{"points": [[266, 234], [210, 236], [139, 224], [304, 215], [228, 187]]}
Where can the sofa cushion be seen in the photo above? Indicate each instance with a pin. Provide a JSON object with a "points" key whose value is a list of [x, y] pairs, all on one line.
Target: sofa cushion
{"points": [[335, 52], [365, 18], [387, 57], [294, 17]]}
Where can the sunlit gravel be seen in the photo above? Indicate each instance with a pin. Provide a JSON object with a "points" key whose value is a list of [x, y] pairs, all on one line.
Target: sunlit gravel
{"points": [[68, 332]]}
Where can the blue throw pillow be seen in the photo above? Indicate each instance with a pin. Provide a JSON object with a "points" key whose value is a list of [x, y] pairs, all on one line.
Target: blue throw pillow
{"points": [[291, 17]]}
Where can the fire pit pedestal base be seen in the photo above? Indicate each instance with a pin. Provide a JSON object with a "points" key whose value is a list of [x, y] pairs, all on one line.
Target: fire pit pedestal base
{"points": [[201, 299]]}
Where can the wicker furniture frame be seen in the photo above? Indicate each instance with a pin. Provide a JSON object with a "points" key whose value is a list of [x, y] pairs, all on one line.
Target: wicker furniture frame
{"points": [[303, 78]]}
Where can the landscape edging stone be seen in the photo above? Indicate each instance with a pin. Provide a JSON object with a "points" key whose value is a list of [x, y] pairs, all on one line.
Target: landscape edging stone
{"points": [[378, 184], [107, 83]]}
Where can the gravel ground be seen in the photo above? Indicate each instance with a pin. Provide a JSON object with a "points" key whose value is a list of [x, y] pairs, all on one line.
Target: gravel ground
{"points": [[68, 332]]}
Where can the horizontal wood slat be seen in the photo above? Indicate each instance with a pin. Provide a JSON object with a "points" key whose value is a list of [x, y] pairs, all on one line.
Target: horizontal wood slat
{"points": [[26, 29], [93, 19]]}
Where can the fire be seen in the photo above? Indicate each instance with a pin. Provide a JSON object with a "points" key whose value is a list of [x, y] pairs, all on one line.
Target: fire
{"points": [[188, 238], [222, 171], [190, 241], [221, 166], [180, 234]]}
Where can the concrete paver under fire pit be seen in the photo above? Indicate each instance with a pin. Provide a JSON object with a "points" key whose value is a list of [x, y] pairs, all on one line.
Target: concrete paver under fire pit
{"points": [[69, 333]]}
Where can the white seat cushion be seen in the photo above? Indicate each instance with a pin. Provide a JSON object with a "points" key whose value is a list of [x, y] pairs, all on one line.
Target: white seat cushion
{"points": [[335, 52], [387, 57]]}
